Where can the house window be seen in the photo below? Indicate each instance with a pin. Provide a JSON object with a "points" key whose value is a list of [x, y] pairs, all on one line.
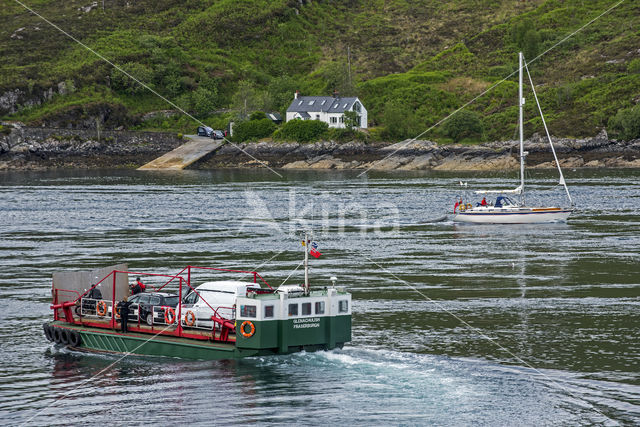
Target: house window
{"points": [[345, 106], [320, 307], [293, 309], [306, 309], [311, 102], [268, 311], [343, 306], [300, 103], [356, 107], [334, 119], [336, 106], [341, 119], [317, 116], [248, 311], [323, 101]]}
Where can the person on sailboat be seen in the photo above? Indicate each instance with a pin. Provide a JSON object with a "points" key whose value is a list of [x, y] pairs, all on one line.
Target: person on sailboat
{"points": [[456, 205], [483, 202]]}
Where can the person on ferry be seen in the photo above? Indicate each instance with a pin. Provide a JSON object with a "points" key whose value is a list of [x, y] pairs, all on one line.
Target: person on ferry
{"points": [[124, 314], [138, 287]]}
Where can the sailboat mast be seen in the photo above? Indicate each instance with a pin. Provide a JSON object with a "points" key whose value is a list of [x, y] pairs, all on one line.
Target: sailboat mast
{"points": [[521, 126], [306, 264]]}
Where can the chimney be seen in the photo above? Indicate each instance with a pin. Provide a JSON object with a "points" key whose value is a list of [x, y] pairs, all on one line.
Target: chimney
{"points": [[335, 93], [295, 95]]}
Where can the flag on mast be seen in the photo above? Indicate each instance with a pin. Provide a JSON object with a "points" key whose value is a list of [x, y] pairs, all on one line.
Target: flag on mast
{"points": [[314, 250]]}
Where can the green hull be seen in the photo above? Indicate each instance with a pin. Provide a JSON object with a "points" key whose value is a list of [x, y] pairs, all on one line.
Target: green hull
{"points": [[107, 340]]}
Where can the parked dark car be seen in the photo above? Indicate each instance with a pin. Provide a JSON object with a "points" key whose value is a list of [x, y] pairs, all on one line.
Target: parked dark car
{"points": [[217, 134], [145, 302], [205, 131]]}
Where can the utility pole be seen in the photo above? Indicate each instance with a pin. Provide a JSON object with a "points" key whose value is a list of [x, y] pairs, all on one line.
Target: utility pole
{"points": [[349, 65]]}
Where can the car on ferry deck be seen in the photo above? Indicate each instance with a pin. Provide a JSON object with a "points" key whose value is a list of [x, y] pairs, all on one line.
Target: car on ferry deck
{"points": [[143, 304], [214, 298]]}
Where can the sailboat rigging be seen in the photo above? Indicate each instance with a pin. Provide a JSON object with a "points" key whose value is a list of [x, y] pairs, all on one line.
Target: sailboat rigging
{"points": [[505, 210]]}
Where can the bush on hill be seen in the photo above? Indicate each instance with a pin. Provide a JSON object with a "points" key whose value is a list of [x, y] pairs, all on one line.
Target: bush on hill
{"points": [[626, 123]]}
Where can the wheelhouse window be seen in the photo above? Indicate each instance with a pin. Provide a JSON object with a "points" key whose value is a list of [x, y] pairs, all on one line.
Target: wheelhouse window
{"points": [[293, 309], [248, 311], [320, 307], [306, 309], [268, 311], [343, 306]]}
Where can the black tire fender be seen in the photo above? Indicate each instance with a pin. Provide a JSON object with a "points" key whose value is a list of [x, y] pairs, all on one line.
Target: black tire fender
{"points": [[74, 339], [48, 333], [57, 335], [65, 336]]}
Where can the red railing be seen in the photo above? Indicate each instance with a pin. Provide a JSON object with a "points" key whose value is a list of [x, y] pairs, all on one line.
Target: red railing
{"points": [[225, 324]]}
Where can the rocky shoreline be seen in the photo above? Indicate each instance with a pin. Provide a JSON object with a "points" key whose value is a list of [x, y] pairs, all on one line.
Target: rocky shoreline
{"points": [[24, 148]]}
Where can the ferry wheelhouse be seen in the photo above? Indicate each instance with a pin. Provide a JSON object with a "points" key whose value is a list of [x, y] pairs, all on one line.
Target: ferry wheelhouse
{"points": [[179, 318]]}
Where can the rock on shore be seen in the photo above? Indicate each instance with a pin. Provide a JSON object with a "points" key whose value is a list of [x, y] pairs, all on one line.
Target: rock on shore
{"points": [[39, 148]]}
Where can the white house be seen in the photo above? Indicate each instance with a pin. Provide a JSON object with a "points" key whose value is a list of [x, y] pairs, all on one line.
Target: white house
{"points": [[328, 109]]}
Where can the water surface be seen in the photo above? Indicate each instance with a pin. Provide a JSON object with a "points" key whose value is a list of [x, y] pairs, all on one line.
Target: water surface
{"points": [[453, 324]]}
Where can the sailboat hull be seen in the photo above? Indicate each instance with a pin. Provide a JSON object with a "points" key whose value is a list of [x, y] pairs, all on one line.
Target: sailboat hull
{"points": [[521, 215]]}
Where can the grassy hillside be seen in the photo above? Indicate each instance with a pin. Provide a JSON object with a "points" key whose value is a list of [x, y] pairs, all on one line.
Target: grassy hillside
{"points": [[411, 62]]}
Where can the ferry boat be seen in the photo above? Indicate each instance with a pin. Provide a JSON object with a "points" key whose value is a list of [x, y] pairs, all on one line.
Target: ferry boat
{"points": [[214, 320]]}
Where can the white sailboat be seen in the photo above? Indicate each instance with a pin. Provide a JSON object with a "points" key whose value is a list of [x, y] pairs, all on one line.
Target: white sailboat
{"points": [[506, 210]]}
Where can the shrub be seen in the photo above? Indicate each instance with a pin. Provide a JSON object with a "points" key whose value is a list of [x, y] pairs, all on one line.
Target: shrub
{"points": [[257, 115], [346, 135], [125, 84], [253, 130], [634, 66], [302, 130], [626, 123], [463, 124], [180, 136]]}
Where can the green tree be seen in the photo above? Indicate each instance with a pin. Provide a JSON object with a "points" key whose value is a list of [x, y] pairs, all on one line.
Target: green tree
{"points": [[463, 124], [350, 119], [526, 38], [398, 120], [626, 123], [245, 99], [279, 93]]}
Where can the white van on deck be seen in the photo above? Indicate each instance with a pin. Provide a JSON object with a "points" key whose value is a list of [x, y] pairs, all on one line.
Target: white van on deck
{"points": [[214, 298]]}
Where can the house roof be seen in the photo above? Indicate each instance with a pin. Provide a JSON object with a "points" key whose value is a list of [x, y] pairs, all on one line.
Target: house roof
{"points": [[327, 104], [274, 116]]}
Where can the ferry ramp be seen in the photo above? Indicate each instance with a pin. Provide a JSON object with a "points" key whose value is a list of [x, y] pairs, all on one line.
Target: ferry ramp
{"points": [[193, 150]]}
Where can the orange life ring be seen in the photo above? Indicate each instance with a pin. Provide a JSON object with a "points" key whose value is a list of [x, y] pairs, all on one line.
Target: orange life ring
{"points": [[117, 312], [250, 333], [189, 318], [169, 315], [101, 308], [469, 206]]}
